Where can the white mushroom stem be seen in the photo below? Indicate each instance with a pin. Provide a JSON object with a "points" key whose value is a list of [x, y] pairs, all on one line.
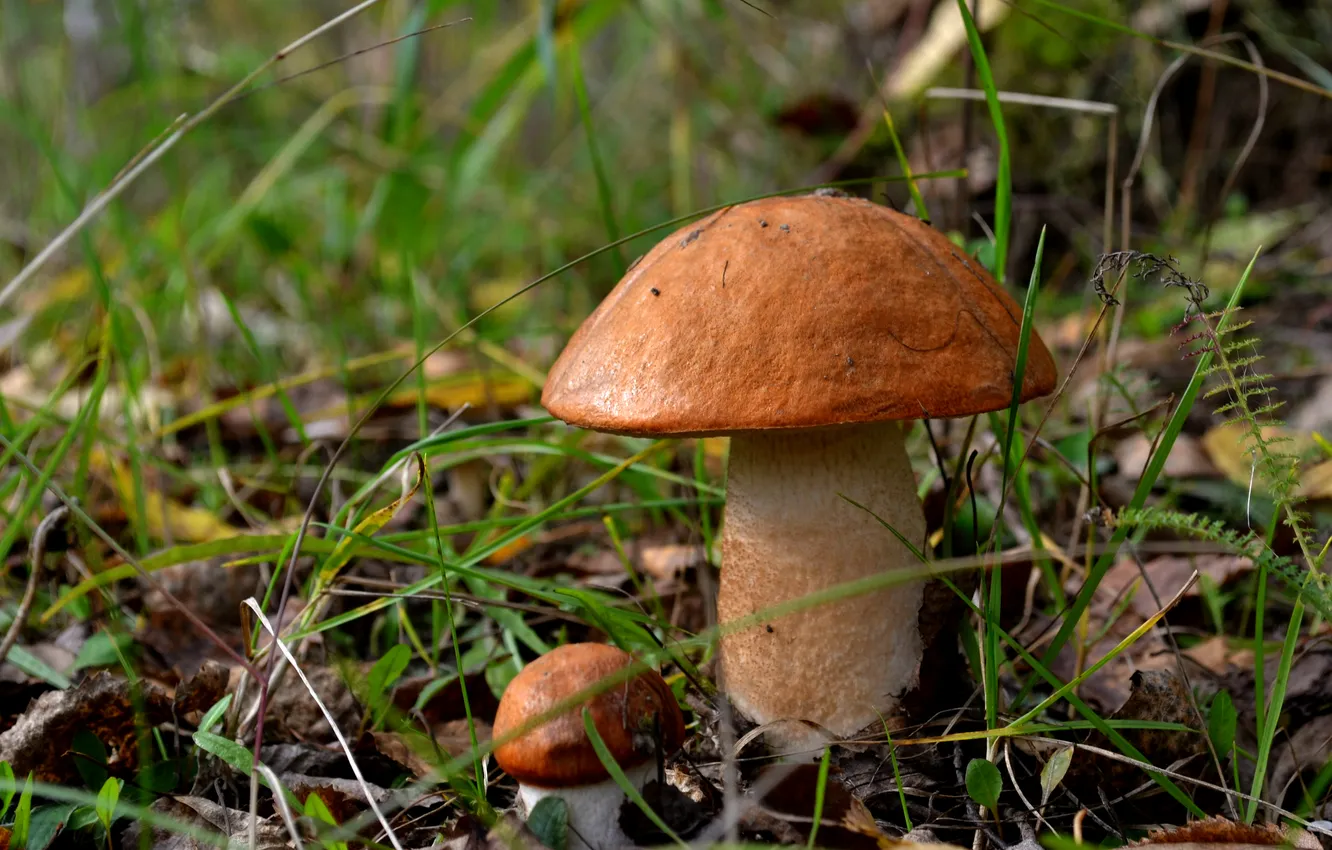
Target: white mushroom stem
{"points": [[594, 810], [788, 534]]}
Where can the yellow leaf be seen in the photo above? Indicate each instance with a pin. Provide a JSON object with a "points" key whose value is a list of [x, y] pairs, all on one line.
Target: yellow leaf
{"points": [[1230, 449], [476, 390], [1316, 481], [509, 550], [367, 528], [167, 519]]}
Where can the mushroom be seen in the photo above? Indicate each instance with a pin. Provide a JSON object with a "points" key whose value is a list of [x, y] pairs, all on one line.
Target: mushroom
{"points": [[638, 720], [805, 328]]}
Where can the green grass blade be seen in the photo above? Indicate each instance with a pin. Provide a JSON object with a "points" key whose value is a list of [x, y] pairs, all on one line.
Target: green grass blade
{"points": [[1267, 735], [993, 598], [903, 162], [820, 793], [1096, 721], [617, 774], [594, 153], [1064, 690], [1003, 190], [1155, 465]]}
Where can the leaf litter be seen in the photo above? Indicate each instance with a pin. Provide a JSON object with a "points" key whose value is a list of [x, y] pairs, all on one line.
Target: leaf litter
{"points": [[875, 790]]}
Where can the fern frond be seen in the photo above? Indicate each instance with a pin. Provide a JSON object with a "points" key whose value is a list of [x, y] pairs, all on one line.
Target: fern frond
{"points": [[1268, 409], [1232, 327], [1313, 587]]}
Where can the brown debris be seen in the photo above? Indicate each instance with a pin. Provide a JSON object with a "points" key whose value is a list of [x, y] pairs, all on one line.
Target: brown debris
{"points": [[203, 689], [671, 560], [205, 815], [1158, 696], [1295, 764], [1162, 696], [844, 824], [1187, 458], [214, 593], [293, 712], [1308, 693], [344, 798], [1122, 603], [103, 704], [508, 833], [447, 703], [1219, 657], [1222, 832]]}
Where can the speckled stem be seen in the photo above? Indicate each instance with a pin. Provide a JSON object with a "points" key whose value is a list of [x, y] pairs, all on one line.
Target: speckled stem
{"points": [[788, 534]]}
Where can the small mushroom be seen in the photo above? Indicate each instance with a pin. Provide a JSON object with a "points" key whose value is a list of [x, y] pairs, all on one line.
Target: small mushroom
{"points": [[825, 336], [638, 719]]}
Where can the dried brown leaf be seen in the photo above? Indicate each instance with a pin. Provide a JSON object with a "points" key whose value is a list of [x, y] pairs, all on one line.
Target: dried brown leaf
{"points": [[844, 824], [206, 815], [40, 742], [1220, 832], [204, 688], [672, 560]]}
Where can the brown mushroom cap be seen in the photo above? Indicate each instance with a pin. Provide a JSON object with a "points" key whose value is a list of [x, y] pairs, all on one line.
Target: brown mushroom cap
{"points": [[795, 312], [559, 754]]}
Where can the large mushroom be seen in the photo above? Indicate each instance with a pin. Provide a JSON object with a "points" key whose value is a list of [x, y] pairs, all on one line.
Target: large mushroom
{"points": [[805, 328], [637, 718]]}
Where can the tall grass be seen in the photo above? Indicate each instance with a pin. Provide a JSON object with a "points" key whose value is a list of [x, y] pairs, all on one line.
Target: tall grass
{"points": [[465, 189]]}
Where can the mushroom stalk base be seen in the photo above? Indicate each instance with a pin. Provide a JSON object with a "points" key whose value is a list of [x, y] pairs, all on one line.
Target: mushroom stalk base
{"points": [[789, 534], [594, 810]]}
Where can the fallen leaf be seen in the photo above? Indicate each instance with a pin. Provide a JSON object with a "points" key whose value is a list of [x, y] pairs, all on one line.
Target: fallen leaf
{"points": [[205, 816], [203, 689], [1122, 603], [477, 390], [391, 744], [684, 815], [345, 798], [455, 738], [1316, 482], [510, 550], [53, 656], [844, 823], [671, 560], [1156, 696], [166, 518], [1299, 761], [293, 712], [1187, 458], [1229, 446], [1220, 657], [213, 592], [1168, 573], [41, 740], [1308, 693], [319, 761], [1220, 832], [1054, 770]]}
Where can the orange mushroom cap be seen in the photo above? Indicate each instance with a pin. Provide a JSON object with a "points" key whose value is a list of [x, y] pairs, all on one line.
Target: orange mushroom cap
{"points": [[795, 312], [630, 717]]}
